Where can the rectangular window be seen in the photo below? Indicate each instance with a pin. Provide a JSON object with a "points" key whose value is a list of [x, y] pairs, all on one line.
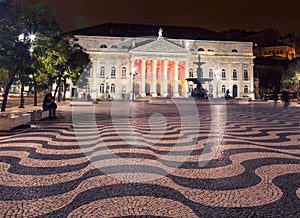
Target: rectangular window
{"points": [[234, 74], [246, 76], [102, 72], [223, 74], [113, 72]]}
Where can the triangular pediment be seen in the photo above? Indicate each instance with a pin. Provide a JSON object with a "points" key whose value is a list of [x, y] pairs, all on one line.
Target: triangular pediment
{"points": [[160, 46]]}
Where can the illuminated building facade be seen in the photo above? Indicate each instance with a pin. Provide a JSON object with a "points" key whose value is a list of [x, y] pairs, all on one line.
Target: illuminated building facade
{"points": [[124, 65]]}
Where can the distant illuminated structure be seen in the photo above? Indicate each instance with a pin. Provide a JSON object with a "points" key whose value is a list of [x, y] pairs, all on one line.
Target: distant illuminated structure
{"points": [[162, 63]]}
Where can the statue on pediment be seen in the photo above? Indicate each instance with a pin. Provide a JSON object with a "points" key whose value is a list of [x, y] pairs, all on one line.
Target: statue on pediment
{"points": [[160, 32]]}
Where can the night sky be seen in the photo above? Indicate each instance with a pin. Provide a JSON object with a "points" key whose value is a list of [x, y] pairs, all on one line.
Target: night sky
{"points": [[214, 15]]}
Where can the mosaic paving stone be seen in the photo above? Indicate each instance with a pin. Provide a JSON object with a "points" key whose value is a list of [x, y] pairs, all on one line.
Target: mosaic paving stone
{"points": [[70, 169]]}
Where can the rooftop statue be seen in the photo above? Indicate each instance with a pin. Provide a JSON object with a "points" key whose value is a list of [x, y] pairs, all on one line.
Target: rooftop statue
{"points": [[160, 32]]}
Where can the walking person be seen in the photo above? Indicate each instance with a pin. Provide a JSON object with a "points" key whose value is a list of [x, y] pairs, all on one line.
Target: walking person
{"points": [[49, 104], [286, 98]]}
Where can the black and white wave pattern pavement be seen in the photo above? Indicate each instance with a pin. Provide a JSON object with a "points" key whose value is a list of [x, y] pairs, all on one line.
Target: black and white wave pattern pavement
{"points": [[254, 173]]}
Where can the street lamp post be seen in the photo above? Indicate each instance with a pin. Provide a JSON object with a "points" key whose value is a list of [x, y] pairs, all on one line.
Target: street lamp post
{"points": [[25, 39], [217, 74], [133, 77]]}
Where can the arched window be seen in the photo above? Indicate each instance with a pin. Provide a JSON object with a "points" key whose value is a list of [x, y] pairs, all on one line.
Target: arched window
{"points": [[191, 73], [234, 74], [201, 49], [102, 72], [103, 46], [124, 47], [234, 50], [123, 72], [210, 73], [114, 46], [101, 88], [246, 76], [211, 50], [223, 89], [223, 74], [112, 88], [246, 90], [113, 72]]}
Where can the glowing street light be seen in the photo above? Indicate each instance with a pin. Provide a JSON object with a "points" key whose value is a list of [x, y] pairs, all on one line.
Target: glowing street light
{"points": [[24, 39]]}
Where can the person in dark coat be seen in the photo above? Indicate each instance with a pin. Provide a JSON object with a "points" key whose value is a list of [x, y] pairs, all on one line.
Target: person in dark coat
{"points": [[49, 104], [286, 98]]}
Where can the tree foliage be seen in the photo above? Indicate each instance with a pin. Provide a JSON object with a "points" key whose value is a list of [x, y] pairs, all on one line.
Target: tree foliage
{"points": [[291, 77], [33, 47]]}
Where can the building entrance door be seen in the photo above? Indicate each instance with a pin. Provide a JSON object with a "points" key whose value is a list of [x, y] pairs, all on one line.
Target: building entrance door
{"points": [[234, 91]]}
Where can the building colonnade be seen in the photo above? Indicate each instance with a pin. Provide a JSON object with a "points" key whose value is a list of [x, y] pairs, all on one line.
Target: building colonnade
{"points": [[159, 77]]}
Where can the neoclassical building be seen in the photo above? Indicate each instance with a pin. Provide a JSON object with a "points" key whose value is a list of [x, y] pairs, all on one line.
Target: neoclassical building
{"points": [[128, 63]]}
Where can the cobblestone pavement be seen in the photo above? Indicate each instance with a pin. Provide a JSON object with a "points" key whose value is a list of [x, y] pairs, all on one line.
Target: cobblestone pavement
{"points": [[255, 172]]}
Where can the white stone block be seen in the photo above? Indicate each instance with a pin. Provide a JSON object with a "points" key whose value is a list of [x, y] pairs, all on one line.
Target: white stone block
{"points": [[11, 120]]}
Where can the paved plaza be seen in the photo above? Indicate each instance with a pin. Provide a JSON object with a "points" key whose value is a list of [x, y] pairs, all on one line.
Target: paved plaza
{"points": [[122, 159]]}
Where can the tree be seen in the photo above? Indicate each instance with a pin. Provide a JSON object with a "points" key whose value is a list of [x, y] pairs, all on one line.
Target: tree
{"points": [[11, 49], [33, 48], [19, 56], [291, 77]]}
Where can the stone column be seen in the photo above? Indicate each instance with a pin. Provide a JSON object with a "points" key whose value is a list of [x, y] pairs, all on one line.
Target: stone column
{"points": [[186, 85], [154, 72], [176, 94], [143, 93], [165, 92]]}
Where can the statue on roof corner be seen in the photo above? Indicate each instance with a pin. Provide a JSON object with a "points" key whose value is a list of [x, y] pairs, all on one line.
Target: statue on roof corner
{"points": [[160, 32]]}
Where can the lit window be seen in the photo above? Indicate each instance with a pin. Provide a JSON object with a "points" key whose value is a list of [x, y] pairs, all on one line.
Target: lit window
{"points": [[223, 74], [101, 88], [102, 72], [223, 89], [234, 74], [246, 90], [246, 76], [123, 72], [112, 88], [113, 72]]}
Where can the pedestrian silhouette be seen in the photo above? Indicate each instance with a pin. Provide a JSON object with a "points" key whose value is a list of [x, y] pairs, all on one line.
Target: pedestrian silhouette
{"points": [[286, 98], [50, 105]]}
